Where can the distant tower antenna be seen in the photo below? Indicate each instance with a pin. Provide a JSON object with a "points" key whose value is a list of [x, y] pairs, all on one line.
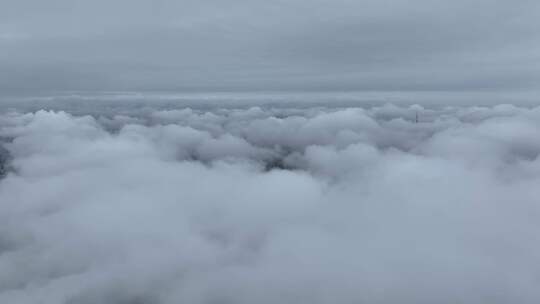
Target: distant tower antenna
{"points": [[416, 117]]}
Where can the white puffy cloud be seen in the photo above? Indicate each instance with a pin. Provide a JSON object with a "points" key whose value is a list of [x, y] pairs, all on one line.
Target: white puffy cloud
{"points": [[267, 205]]}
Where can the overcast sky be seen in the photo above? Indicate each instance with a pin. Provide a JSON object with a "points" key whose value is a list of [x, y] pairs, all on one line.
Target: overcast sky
{"points": [[209, 45]]}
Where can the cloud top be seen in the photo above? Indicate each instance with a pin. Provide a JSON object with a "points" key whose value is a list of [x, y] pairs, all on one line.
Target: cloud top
{"points": [[266, 205]]}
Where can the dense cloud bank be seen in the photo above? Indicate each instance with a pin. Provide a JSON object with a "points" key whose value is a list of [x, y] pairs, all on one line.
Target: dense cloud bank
{"points": [[271, 205]]}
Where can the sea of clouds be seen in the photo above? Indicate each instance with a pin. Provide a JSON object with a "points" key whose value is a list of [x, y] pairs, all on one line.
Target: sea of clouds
{"points": [[271, 205]]}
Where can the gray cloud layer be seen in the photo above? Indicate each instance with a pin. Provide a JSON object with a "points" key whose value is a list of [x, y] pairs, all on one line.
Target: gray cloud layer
{"points": [[277, 205], [245, 45]]}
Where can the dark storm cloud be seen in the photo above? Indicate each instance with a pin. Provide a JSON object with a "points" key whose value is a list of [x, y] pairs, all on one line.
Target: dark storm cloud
{"points": [[299, 44]]}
